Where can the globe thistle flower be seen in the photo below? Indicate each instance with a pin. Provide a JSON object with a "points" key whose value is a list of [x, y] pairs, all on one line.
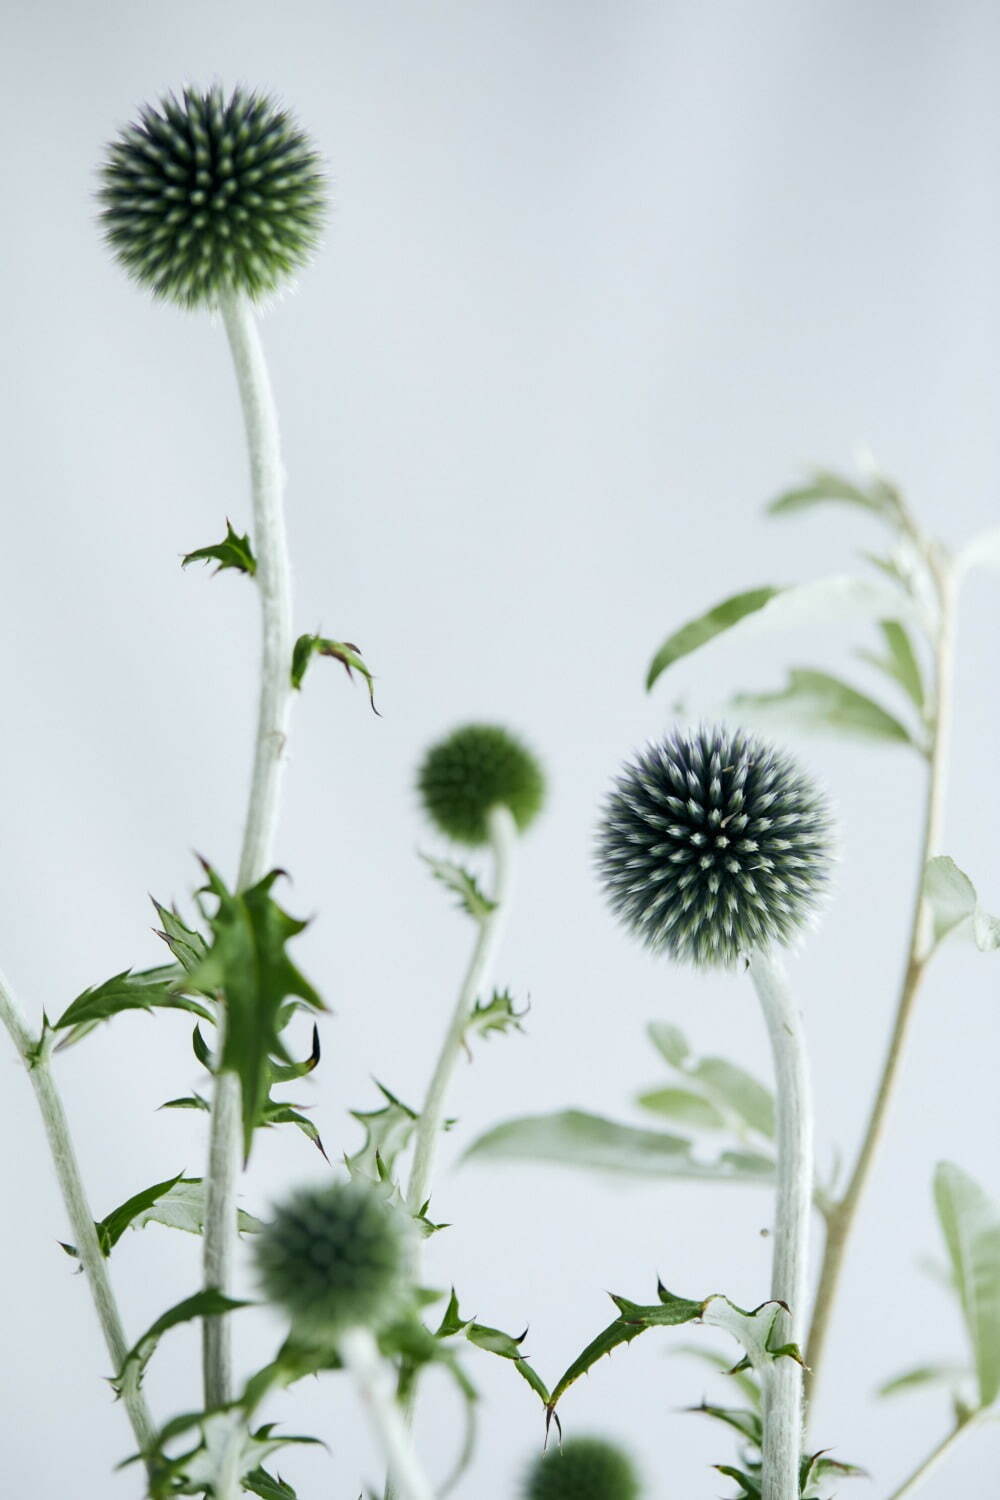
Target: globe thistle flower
{"points": [[204, 196], [478, 767], [584, 1468], [714, 845], [336, 1257]]}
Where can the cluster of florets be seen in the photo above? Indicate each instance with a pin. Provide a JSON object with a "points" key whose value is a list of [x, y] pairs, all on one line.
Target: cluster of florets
{"points": [[478, 767], [205, 195], [713, 845]]}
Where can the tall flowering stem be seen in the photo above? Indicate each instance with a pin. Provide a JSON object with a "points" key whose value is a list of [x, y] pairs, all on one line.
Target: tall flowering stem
{"points": [[782, 1384]]}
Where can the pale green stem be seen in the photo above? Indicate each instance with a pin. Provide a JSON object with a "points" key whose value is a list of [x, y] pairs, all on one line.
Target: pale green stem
{"points": [[503, 840], [782, 1382], [374, 1381], [925, 1469], [37, 1061], [273, 578]]}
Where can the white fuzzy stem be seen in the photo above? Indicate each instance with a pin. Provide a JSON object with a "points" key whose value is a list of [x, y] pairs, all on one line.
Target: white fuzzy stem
{"points": [[376, 1386], [274, 582], [503, 840], [78, 1210], [782, 1383]]}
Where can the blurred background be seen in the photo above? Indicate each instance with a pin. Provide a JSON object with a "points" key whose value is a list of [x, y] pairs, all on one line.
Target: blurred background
{"points": [[600, 279]]}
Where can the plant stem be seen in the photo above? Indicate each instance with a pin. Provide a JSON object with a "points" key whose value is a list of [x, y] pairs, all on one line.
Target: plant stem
{"points": [[36, 1058], [782, 1383], [841, 1216], [274, 581], [941, 1450], [503, 840], [373, 1378]]}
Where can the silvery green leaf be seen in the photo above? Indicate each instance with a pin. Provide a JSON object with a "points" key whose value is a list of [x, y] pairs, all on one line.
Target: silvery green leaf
{"points": [[387, 1133], [182, 1206], [204, 1304], [817, 700], [900, 661], [954, 905], [982, 552], [970, 1222], [683, 1106], [575, 1138], [670, 1042], [464, 884], [754, 1331], [921, 1376], [497, 1014], [738, 1091], [824, 487]]}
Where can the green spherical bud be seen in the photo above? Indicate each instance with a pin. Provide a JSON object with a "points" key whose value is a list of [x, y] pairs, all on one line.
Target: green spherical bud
{"points": [[713, 845], [205, 195], [336, 1257], [584, 1468], [478, 767]]}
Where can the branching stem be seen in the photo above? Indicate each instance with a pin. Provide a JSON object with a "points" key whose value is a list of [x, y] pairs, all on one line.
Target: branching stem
{"points": [[782, 1383]]}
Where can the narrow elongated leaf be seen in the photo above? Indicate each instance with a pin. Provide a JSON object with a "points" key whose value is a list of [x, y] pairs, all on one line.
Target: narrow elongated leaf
{"points": [[670, 1042], [349, 656], [900, 661], [970, 1222], [683, 1106], [233, 551], [706, 627], [495, 1341], [817, 700], [149, 990], [204, 1304], [249, 965], [632, 1319], [954, 905], [574, 1138], [742, 1377], [746, 1423], [464, 885], [921, 1376], [825, 487], [734, 1089]]}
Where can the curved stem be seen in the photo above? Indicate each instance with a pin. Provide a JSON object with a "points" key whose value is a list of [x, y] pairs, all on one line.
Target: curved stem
{"points": [[373, 1378], [36, 1058], [924, 1470], [782, 1384], [274, 581], [841, 1217], [503, 839]]}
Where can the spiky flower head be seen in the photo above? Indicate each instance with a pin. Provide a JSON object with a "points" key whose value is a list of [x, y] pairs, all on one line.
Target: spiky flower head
{"points": [[476, 768], [205, 195], [584, 1468], [714, 844], [336, 1257]]}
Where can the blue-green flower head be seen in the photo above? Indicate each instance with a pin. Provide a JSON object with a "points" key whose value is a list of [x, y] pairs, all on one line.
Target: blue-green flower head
{"points": [[336, 1257], [203, 196], [478, 767], [584, 1468], [714, 844]]}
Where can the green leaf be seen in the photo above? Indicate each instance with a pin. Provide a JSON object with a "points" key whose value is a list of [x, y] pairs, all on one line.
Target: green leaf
{"points": [[751, 1490], [920, 1376], [756, 1332], [182, 1206], [388, 1132], [970, 1222], [706, 627], [494, 1341], [463, 883], [746, 1382], [574, 1138], [816, 700], [900, 661], [189, 1101], [150, 990], [260, 1482], [187, 945], [954, 905], [982, 552], [684, 1107], [204, 1304], [734, 1089], [276, 1113], [232, 552], [222, 1447], [746, 1423], [349, 655], [632, 1319], [825, 487], [670, 1042], [496, 1014], [248, 964]]}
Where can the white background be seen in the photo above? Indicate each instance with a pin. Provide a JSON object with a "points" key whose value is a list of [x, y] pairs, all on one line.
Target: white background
{"points": [[600, 278]]}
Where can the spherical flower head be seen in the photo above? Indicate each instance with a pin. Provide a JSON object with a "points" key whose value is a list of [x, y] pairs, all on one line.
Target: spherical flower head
{"points": [[336, 1257], [478, 767], [714, 844], [584, 1468], [204, 196]]}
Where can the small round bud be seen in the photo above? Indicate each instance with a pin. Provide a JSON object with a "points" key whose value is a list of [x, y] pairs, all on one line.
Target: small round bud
{"points": [[336, 1257], [476, 768], [205, 195], [714, 844], [584, 1468]]}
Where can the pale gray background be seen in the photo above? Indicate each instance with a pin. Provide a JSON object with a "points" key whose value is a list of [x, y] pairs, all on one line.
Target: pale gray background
{"points": [[599, 278]]}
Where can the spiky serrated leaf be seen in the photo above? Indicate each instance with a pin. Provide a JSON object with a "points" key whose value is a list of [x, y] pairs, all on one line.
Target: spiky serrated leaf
{"points": [[387, 1133], [633, 1318], [249, 966], [756, 1332], [739, 1418], [276, 1113], [186, 944], [268, 1486], [205, 1304], [818, 700], [349, 655], [220, 1446], [899, 662], [970, 1223], [954, 905], [234, 551], [187, 1101], [178, 1204], [751, 1490], [151, 989], [464, 885], [575, 1138], [497, 1014]]}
